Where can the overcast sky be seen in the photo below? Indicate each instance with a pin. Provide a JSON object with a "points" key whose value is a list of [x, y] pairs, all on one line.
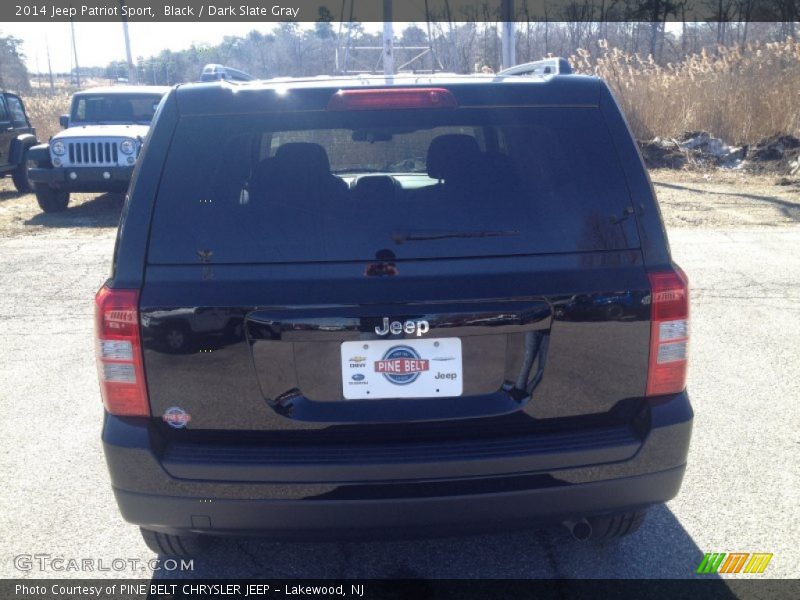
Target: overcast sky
{"points": [[100, 43]]}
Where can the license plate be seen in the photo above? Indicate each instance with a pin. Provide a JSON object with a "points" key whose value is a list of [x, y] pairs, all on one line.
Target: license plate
{"points": [[402, 368]]}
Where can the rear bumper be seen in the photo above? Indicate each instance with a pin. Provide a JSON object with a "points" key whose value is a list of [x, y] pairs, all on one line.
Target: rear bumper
{"points": [[393, 517], [321, 504], [87, 179]]}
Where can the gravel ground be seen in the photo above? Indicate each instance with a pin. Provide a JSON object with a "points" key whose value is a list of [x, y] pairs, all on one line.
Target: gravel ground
{"points": [[725, 199], [739, 241]]}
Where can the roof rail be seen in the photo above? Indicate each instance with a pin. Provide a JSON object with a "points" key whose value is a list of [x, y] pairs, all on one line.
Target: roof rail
{"points": [[547, 66]]}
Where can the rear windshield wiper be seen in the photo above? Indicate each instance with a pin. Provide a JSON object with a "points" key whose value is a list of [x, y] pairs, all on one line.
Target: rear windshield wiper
{"points": [[400, 237]]}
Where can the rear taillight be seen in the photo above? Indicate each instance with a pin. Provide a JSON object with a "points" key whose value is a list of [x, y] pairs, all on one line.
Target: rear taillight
{"points": [[119, 353], [669, 332], [392, 98]]}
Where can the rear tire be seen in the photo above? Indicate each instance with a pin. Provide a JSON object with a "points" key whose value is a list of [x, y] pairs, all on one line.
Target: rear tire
{"points": [[20, 176], [616, 526], [177, 337], [51, 200], [234, 330], [167, 544], [614, 312]]}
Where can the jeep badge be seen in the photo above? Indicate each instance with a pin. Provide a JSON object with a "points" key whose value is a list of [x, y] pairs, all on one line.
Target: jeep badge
{"points": [[396, 327]]}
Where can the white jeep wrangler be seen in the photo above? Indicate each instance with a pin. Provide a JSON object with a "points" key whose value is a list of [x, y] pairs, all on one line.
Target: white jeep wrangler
{"points": [[98, 148]]}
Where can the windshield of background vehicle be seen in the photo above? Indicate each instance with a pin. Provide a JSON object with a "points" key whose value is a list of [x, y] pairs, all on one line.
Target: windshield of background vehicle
{"points": [[411, 184], [114, 108]]}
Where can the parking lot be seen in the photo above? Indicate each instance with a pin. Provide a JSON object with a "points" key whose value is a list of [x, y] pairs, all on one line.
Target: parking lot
{"points": [[737, 238]]}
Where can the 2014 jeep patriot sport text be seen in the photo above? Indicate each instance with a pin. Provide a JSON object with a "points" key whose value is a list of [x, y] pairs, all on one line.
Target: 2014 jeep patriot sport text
{"points": [[359, 306]]}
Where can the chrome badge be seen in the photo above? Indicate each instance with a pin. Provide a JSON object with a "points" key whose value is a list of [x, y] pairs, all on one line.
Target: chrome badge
{"points": [[397, 327]]}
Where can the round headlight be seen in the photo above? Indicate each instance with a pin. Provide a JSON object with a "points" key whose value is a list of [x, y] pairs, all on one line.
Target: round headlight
{"points": [[58, 148], [127, 147]]}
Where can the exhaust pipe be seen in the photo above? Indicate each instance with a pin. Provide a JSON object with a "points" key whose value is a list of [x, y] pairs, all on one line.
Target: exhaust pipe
{"points": [[581, 530]]}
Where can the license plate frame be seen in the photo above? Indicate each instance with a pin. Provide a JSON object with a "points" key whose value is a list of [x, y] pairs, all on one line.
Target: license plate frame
{"points": [[403, 368]]}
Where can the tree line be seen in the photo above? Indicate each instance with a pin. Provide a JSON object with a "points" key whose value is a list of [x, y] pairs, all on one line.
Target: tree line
{"points": [[460, 47], [13, 73], [462, 41]]}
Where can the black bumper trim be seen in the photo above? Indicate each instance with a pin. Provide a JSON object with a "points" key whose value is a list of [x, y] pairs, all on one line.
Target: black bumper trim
{"points": [[88, 178], [361, 519], [337, 463]]}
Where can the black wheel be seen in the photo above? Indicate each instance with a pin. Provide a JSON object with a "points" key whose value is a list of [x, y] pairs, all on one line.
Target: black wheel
{"points": [[614, 312], [234, 329], [177, 337], [167, 544], [20, 176], [51, 200], [616, 526]]}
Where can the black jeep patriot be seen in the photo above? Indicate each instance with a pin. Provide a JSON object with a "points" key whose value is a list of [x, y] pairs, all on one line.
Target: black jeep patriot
{"points": [[421, 304]]}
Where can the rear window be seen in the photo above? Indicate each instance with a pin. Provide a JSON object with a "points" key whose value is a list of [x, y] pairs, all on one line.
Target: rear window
{"points": [[413, 184]]}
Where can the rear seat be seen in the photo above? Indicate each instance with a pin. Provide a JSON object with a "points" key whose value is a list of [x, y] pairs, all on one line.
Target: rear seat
{"points": [[299, 171], [461, 168], [453, 160]]}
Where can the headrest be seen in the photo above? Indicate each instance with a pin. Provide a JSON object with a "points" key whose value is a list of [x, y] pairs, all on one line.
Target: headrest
{"points": [[303, 156], [374, 186], [451, 154]]}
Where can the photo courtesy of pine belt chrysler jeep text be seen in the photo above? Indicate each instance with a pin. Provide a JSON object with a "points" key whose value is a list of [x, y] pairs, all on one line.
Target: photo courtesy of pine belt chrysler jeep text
{"points": [[365, 307]]}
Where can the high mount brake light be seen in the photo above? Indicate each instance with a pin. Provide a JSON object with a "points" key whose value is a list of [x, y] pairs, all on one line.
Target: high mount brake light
{"points": [[669, 332], [390, 98], [118, 349]]}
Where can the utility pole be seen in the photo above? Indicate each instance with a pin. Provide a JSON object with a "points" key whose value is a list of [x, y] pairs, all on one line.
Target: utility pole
{"points": [[349, 34], [49, 66], [339, 38], [133, 76], [509, 41], [430, 39], [75, 52], [388, 39]]}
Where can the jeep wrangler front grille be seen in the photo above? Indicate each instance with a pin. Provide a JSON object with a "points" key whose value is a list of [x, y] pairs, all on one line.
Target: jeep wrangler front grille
{"points": [[93, 153]]}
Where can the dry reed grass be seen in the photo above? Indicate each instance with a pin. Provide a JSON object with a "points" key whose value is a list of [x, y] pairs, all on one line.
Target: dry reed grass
{"points": [[740, 94], [43, 111]]}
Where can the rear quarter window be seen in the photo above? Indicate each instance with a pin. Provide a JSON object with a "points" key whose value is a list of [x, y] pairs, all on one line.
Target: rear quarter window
{"points": [[414, 184]]}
